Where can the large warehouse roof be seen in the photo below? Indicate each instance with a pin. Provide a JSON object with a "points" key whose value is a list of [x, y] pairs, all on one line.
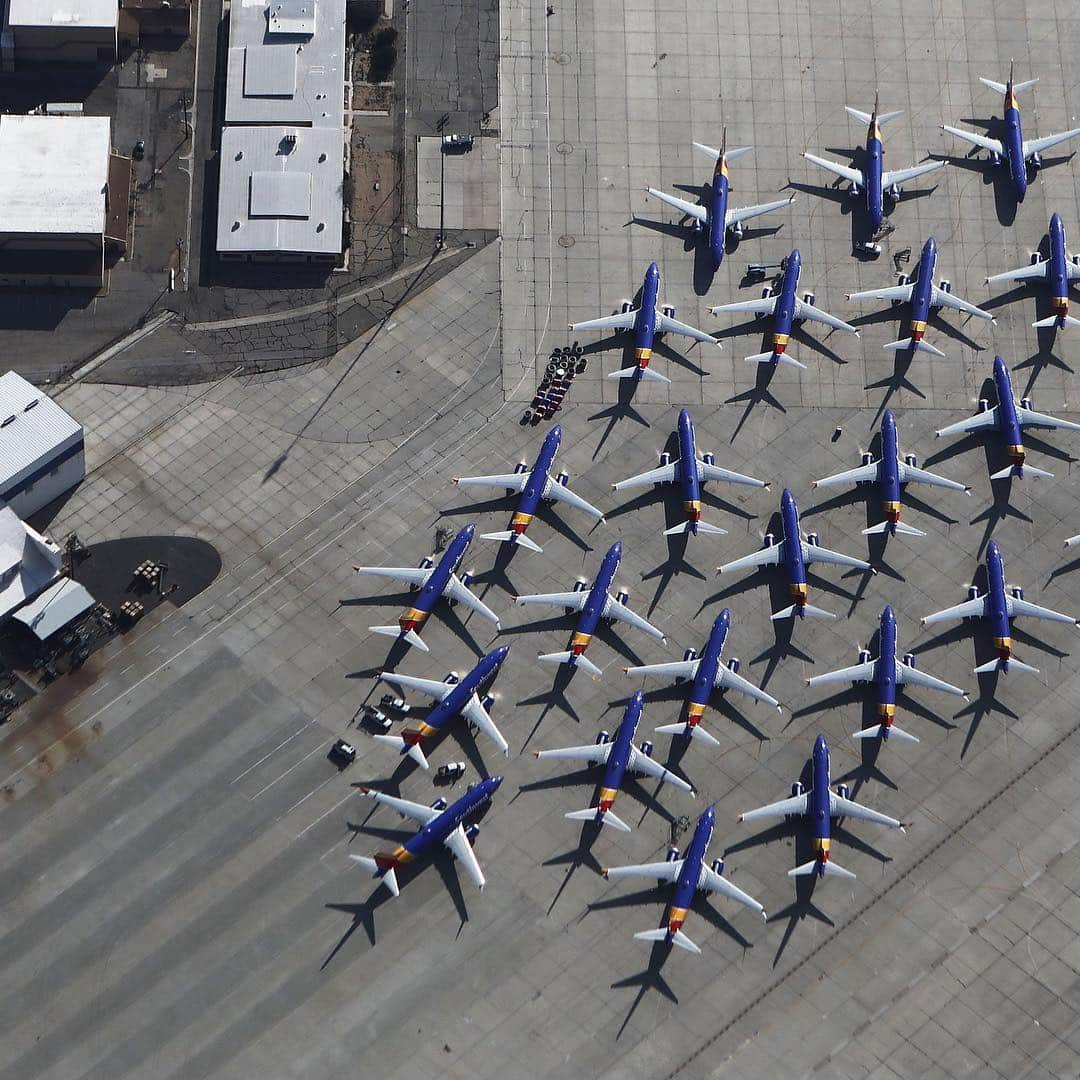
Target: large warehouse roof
{"points": [[32, 427], [60, 14], [53, 172]]}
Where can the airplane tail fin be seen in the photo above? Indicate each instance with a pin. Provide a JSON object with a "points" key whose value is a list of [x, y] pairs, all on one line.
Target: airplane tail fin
{"points": [[1005, 666], [826, 869], [518, 539], [661, 934], [691, 731], [806, 610], [645, 374], [594, 814], [389, 878], [411, 747], [1020, 471], [883, 732], [895, 527], [410, 636], [580, 661], [702, 527], [1056, 320], [774, 358], [915, 346]]}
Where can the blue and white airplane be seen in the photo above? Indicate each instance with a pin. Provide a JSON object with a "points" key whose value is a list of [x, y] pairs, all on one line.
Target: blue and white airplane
{"points": [[690, 472], [1015, 149], [923, 295], [872, 180], [593, 603], [689, 875], [646, 322], [1010, 419], [819, 806], [795, 554], [439, 824], [431, 582], [534, 486], [998, 605], [454, 698], [886, 673], [713, 215], [618, 756], [787, 310], [891, 471], [708, 674], [1058, 271]]}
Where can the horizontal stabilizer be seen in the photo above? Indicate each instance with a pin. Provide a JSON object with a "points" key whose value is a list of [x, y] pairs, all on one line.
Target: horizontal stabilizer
{"points": [[997, 664], [413, 749], [826, 869], [605, 818], [774, 358], [878, 732], [519, 539], [914, 346], [689, 731], [806, 609], [702, 526], [678, 938], [1056, 320], [580, 661], [643, 373], [898, 527], [1020, 471], [389, 877], [410, 636]]}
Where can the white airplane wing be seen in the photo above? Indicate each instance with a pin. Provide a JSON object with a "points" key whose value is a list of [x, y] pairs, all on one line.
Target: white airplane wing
{"points": [[978, 422], [764, 306], [909, 474], [1031, 272], [456, 591], [864, 474], [797, 804], [983, 141], [714, 472], [855, 673], [417, 811], [661, 871], [667, 325], [766, 556], [969, 609], [511, 481], [665, 474], [645, 765], [694, 210], [561, 493], [1030, 418], [432, 687], [728, 680], [575, 600], [940, 298], [902, 176], [1002, 88], [895, 292], [594, 753], [803, 310], [459, 844], [624, 320], [840, 807], [409, 574], [1033, 611], [813, 553], [1037, 146], [910, 676], [745, 213], [711, 882], [843, 171], [677, 669], [475, 713], [614, 610]]}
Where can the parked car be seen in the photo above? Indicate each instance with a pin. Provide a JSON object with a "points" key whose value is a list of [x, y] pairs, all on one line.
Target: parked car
{"points": [[450, 772], [460, 141], [342, 752], [399, 704], [376, 718]]}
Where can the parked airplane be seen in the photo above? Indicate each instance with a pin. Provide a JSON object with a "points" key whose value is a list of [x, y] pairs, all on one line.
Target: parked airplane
{"points": [[431, 582], [691, 472], [594, 603], [923, 295], [1059, 272], [788, 309], [1010, 420], [890, 471], [618, 756], [712, 215], [689, 875], [998, 605], [454, 698], [819, 806], [708, 674], [873, 181], [646, 322], [1017, 150], [533, 485], [440, 824], [887, 672], [795, 554]]}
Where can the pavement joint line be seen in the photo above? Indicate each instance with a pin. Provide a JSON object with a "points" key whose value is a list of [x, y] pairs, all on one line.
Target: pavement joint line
{"points": [[296, 765], [302, 727]]}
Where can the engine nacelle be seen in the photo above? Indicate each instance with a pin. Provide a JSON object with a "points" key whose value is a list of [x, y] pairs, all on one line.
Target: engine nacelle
{"points": [[734, 664], [995, 158], [1076, 260], [1025, 403], [563, 478], [466, 579], [895, 191], [667, 310], [647, 748], [471, 833], [580, 585], [688, 655], [439, 804], [813, 538], [622, 596], [854, 191], [973, 592], [945, 285], [487, 701], [1036, 258], [696, 226], [911, 461], [602, 738], [842, 790], [626, 306], [769, 540], [809, 298], [709, 459], [984, 404], [521, 467], [426, 563], [1018, 593], [672, 854], [737, 230], [864, 656], [903, 279], [1035, 161], [909, 659], [718, 866], [452, 678], [665, 458], [797, 789], [867, 459]]}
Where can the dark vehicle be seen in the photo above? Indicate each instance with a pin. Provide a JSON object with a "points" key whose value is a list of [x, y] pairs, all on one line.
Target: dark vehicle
{"points": [[342, 753]]}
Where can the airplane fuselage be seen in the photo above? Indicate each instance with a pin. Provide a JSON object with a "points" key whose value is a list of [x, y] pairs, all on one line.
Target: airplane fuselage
{"points": [[875, 209], [997, 611], [889, 469], [593, 610], [1014, 145], [435, 586], [619, 757], [784, 312], [1058, 279], [687, 469], [451, 706], [687, 882], [717, 212], [885, 677], [923, 290], [793, 554], [818, 804], [708, 666], [537, 483], [1008, 421], [645, 318]]}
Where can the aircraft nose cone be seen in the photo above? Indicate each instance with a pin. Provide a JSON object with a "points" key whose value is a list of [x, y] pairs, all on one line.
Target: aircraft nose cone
{"points": [[684, 416], [616, 549], [494, 782], [992, 549], [795, 255], [638, 699], [469, 530], [724, 618], [887, 419], [787, 499], [555, 432], [999, 366], [710, 813], [930, 245], [887, 614], [820, 745], [501, 653], [1055, 220], [653, 270]]}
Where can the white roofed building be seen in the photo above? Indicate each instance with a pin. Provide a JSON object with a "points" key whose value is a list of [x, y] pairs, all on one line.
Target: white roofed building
{"points": [[61, 31]]}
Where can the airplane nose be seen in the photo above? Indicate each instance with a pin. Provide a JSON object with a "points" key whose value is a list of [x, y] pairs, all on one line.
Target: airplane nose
{"points": [[887, 613], [495, 781], [820, 744], [469, 530], [556, 432], [616, 549], [502, 652], [724, 617], [638, 698]]}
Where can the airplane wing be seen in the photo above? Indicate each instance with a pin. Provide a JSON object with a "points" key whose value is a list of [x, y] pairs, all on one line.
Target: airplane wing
{"points": [[764, 306], [1033, 611], [766, 556], [1030, 418], [432, 687], [667, 325], [614, 610], [710, 881], [978, 422], [804, 310], [644, 764], [993, 145], [843, 171], [417, 811], [677, 669], [910, 676], [969, 609], [409, 574], [475, 713], [731, 155], [728, 680], [909, 474], [864, 474], [661, 871], [714, 472], [940, 298], [575, 600], [561, 493], [511, 481], [855, 673], [902, 176], [459, 844], [896, 292], [694, 210], [797, 804], [624, 320], [839, 807], [813, 553], [456, 591], [1037, 146], [665, 474], [745, 213], [1030, 272], [594, 753]]}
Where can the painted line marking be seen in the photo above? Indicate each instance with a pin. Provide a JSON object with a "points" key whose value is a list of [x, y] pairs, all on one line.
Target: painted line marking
{"points": [[287, 771], [272, 752], [340, 801]]}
